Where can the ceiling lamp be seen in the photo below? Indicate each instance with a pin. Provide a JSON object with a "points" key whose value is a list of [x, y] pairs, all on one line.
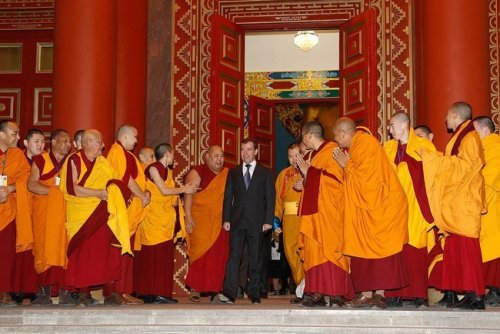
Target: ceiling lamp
{"points": [[306, 40]]}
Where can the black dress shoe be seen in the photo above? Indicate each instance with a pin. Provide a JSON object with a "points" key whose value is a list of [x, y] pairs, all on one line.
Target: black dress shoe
{"points": [[421, 303], [470, 302], [164, 300], [449, 299], [148, 299], [394, 302], [296, 300], [255, 300], [492, 297]]}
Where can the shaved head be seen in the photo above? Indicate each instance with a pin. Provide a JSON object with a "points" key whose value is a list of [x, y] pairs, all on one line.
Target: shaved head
{"points": [[146, 155], [401, 117], [484, 126], [343, 131], [215, 158], [124, 130], [399, 127], [463, 110], [92, 143], [127, 136]]}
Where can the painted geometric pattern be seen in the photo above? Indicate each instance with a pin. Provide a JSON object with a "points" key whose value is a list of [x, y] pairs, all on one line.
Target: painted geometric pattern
{"points": [[292, 85], [494, 16]]}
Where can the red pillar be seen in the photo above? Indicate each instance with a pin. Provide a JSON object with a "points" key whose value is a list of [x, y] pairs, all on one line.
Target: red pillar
{"points": [[84, 41], [452, 60], [131, 65]]}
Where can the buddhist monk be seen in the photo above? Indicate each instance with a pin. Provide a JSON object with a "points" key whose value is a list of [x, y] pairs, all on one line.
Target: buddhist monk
{"points": [[15, 231], [130, 171], [77, 140], [157, 233], [25, 280], [97, 221], [321, 222], [146, 156], [288, 192], [490, 221], [455, 188], [403, 152], [208, 243], [375, 217], [48, 209], [424, 131]]}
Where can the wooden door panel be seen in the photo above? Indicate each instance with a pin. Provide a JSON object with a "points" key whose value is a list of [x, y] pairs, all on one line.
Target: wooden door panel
{"points": [[227, 81], [358, 70], [261, 129]]}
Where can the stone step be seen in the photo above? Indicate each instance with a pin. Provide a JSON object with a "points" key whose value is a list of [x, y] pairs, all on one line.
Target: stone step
{"points": [[272, 316]]}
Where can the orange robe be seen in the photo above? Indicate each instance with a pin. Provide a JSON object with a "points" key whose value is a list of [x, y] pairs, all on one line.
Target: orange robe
{"points": [[375, 218], [286, 210], [127, 166], [455, 187], [15, 223], [407, 162], [49, 223], [208, 244], [321, 226], [97, 230], [155, 237], [490, 222]]}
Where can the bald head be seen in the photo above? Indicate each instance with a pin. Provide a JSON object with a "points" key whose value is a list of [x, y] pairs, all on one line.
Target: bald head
{"points": [[424, 131], [146, 155], [92, 143], [399, 127], [215, 158], [127, 136], [343, 131]]}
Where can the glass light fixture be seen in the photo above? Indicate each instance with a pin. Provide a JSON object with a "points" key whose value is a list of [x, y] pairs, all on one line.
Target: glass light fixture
{"points": [[306, 40]]}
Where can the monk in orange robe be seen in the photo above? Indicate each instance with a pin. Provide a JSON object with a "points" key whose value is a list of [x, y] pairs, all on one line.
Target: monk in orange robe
{"points": [[25, 277], [97, 221], [403, 151], [289, 185], [208, 243], [130, 171], [375, 217], [146, 156], [321, 222], [455, 187], [48, 209], [490, 221], [158, 231], [15, 229]]}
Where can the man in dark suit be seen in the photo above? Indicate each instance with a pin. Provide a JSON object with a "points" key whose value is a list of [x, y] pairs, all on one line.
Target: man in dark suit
{"points": [[248, 212]]}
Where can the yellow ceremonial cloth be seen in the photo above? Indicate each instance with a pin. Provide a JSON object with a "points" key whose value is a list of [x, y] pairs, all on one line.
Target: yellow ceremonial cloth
{"points": [[79, 209], [418, 227], [376, 208], [17, 206], [490, 222], [49, 219], [118, 157], [286, 209], [206, 210], [321, 233], [159, 223], [455, 185]]}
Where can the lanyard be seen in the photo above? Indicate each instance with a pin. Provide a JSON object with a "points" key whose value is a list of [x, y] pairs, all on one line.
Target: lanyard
{"points": [[4, 162]]}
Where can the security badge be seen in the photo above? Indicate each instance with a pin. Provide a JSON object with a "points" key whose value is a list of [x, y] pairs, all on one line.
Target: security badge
{"points": [[3, 180]]}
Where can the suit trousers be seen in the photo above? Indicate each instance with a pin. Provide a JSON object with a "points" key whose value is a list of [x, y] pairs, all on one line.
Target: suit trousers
{"points": [[237, 237]]}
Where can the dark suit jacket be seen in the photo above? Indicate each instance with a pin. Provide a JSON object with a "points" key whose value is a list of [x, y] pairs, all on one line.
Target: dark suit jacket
{"points": [[254, 206]]}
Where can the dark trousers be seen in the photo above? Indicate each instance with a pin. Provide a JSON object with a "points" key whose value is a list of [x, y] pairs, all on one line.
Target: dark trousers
{"points": [[237, 237]]}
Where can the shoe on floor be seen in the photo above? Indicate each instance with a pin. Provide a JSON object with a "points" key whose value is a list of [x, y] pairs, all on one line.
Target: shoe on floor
{"points": [[256, 301], [65, 298], [43, 297], [85, 300], [6, 301], [394, 302], [359, 301], [470, 302], [421, 303], [220, 298], [194, 296], [131, 300], [114, 299], [316, 300], [165, 300]]}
